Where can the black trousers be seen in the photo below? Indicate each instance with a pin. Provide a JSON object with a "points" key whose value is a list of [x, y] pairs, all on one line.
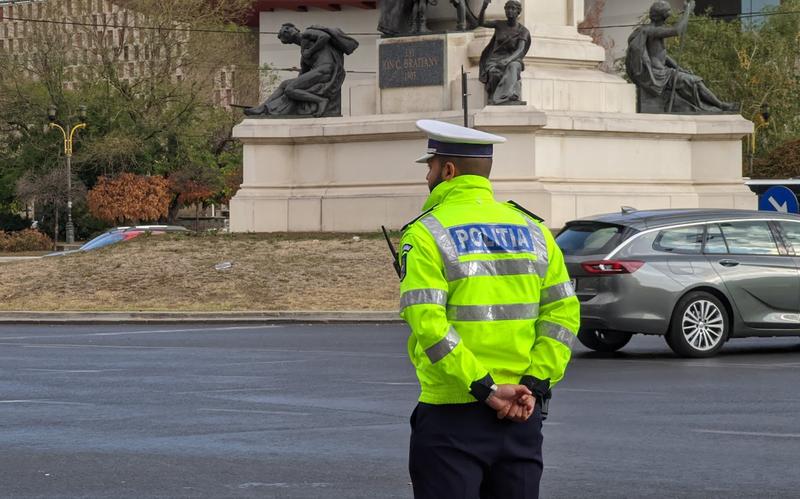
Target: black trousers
{"points": [[462, 451]]}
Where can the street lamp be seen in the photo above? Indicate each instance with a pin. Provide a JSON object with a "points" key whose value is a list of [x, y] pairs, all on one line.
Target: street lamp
{"points": [[51, 115], [761, 119]]}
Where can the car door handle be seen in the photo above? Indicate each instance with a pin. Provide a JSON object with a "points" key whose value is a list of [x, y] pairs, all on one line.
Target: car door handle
{"points": [[728, 263]]}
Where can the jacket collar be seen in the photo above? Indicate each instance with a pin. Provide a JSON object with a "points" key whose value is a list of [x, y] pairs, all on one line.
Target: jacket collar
{"points": [[461, 188]]}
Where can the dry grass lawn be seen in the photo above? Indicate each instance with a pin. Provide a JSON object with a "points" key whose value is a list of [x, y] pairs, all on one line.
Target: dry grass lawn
{"points": [[315, 272]]}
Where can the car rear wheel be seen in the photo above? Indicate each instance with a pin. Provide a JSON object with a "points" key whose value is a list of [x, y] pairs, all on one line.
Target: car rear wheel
{"points": [[699, 325], [603, 340]]}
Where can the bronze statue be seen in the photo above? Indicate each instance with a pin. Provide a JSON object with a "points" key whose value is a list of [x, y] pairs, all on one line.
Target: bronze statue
{"points": [[395, 17], [318, 90], [501, 63], [409, 17], [663, 86]]}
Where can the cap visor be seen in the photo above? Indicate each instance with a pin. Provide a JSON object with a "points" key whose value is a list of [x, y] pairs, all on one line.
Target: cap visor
{"points": [[424, 159]]}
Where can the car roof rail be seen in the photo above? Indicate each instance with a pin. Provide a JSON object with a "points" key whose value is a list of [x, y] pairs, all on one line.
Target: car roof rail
{"points": [[625, 210]]}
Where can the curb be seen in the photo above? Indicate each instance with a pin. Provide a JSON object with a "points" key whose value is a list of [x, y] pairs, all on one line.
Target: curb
{"points": [[264, 317]]}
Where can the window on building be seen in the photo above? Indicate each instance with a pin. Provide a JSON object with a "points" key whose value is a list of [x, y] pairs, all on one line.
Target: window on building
{"points": [[733, 9]]}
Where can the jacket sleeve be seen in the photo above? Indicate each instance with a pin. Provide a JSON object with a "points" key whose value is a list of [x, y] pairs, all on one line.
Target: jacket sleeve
{"points": [[559, 318], [423, 305]]}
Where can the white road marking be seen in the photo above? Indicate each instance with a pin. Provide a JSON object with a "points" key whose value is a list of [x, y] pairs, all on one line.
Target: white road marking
{"points": [[69, 345], [280, 413], [70, 370], [709, 364], [750, 433], [276, 350], [155, 331], [624, 392], [261, 362], [225, 390], [32, 401]]}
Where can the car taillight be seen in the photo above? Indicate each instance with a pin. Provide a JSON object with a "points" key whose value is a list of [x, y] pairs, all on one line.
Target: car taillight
{"points": [[612, 266]]}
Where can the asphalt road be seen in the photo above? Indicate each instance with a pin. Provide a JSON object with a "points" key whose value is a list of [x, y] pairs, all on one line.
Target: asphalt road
{"points": [[322, 411]]}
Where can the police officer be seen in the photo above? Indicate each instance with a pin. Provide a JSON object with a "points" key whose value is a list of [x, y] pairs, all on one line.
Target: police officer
{"points": [[493, 318]]}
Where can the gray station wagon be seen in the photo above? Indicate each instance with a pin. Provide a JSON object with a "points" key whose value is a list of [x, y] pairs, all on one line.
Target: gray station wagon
{"points": [[697, 277]]}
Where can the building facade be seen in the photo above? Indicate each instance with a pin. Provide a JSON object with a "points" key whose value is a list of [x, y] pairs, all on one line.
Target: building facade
{"points": [[89, 23]]}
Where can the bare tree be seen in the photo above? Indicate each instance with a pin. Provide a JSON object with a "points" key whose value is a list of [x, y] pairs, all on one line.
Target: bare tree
{"points": [[591, 26], [48, 191]]}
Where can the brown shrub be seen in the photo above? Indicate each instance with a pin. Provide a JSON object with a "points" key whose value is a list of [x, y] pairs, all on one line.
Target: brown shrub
{"points": [[24, 240], [129, 198]]}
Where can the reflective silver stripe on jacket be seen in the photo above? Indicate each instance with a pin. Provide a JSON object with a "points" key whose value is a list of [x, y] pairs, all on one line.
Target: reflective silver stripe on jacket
{"points": [[446, 345], [557, 292], [540, 247], [556, 332], [455, 269], [423, 296], [516, 311], [445, 245]]}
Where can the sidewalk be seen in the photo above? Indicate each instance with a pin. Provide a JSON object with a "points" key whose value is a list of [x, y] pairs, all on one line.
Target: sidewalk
{"points": [[265, 317], [11, 259]]}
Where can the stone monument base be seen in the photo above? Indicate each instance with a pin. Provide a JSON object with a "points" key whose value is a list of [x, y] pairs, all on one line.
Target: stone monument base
{"points": [[357, 173]]}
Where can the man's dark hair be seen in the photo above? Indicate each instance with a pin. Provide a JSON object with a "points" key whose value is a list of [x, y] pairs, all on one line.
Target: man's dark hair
{"points": [[469, 166]]}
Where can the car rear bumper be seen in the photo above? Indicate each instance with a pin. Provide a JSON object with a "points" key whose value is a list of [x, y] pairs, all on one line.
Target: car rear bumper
{"points": [[633, 303], [623, 319]]}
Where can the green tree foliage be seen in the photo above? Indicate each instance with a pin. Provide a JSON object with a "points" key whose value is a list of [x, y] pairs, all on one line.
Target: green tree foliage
{"points": [[751, 63], [151, 93]]}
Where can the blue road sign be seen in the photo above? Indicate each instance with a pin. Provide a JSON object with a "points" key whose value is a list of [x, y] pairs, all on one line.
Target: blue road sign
{"points": [[779, 198]]}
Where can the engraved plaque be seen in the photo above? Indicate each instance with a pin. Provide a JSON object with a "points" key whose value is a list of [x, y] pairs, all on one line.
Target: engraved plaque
{"points": [[411, 64]]}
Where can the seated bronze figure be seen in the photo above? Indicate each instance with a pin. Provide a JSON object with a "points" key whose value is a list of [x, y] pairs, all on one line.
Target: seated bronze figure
{"points": [[664, 86]]}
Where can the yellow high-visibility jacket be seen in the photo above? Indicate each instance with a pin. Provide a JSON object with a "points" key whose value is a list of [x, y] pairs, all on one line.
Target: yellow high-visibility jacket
{"points": [[485, 291]]}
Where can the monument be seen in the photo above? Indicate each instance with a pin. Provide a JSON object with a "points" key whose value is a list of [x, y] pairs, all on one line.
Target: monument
{"points": [[502, 61], [663, 86], [576, 148], [409, 17], [317, 91]]}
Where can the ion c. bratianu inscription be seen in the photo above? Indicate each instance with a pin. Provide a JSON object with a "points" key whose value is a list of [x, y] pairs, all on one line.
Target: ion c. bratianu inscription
{"points": [[411, 64]]}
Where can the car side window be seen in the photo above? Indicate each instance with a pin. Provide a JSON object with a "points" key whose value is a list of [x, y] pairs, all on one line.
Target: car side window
{"points": [[715, 243], [791, 232], [682, 240], [749, 238]]}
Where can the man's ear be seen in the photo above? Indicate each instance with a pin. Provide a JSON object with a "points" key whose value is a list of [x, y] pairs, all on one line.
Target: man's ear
{"points": [[449, 170]]}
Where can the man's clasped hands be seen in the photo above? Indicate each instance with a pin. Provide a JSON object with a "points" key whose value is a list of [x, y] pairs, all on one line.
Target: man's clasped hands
{"points": [[514, 402]]}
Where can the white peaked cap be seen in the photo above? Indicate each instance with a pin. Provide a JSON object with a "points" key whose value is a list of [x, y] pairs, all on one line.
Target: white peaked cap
{"points": [[454, 140]]}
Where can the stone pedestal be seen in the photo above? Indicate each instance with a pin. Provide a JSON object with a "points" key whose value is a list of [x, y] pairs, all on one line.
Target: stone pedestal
{"points": [[578, 148], [355, 174]]}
